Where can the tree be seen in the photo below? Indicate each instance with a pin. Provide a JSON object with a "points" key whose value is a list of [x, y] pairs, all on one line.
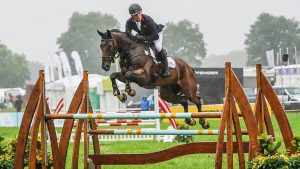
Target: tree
{"points": [[186, 40], [13, 68], [82, 36], [271, 32]]}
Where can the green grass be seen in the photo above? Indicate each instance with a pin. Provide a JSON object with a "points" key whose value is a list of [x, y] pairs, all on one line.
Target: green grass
{"points": [[199, 161]]}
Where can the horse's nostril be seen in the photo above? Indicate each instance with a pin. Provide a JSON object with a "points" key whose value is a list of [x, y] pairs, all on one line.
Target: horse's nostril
{"points": [[106, 67], [127, 75]]}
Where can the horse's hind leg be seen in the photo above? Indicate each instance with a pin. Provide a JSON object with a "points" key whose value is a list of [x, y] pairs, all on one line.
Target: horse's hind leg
{"points": [[167, 94], [202, 121], [189, 88], [189, 121]]}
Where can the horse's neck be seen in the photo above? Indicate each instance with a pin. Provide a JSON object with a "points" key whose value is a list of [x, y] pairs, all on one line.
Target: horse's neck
{"points": [[124, 43]]}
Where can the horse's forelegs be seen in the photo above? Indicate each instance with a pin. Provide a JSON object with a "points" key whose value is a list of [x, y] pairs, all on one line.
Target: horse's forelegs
{"points": [[131, 92], [116, 92]]}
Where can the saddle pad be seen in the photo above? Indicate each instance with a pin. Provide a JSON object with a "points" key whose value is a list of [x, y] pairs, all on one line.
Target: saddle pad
{"points": [[171, 61]]}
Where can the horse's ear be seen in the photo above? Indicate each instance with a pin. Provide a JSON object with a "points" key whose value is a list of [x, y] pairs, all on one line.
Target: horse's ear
{"points": [[100, 33], [109, 33]]}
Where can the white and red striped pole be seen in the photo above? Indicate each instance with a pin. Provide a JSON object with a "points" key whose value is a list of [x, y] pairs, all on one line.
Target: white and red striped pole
{"points": [[59, 106], [165, 108]]}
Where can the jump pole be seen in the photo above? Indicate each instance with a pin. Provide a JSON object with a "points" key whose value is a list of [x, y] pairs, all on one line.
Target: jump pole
{"points": [[157, 132], [134, 116]]}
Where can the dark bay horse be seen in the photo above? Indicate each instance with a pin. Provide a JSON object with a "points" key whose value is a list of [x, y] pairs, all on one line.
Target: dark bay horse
{"points": [[139, 68]]}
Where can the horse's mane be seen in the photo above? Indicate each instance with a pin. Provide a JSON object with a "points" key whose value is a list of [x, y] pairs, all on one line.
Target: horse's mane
{"points": [[116, 30], [131, 37]]}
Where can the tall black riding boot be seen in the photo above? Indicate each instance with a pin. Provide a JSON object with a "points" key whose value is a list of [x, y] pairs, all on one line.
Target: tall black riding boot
{"points": [[163, 58]]}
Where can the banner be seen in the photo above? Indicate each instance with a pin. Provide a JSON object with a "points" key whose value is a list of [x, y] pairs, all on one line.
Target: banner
{"points": [[47, 73], [65, 64], [78, 65], [270, 57], [57, 65], [51, 59]]}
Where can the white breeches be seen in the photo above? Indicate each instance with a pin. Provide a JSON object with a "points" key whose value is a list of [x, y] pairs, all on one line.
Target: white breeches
{"points": [[158, 42]]}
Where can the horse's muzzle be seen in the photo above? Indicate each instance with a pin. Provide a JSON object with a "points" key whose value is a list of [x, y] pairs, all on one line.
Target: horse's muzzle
{"points": [[106, 67], [128, 75]]}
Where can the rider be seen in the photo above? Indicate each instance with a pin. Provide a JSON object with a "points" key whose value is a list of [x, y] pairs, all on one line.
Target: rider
{"points": [[149, 31]]}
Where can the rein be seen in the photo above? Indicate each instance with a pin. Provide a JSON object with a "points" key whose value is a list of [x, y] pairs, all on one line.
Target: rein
{"points": [[118, 54], [125, 51]]}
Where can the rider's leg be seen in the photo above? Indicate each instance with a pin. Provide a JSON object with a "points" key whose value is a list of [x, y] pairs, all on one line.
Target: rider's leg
{"points": [[162, 54], [163, 57]]}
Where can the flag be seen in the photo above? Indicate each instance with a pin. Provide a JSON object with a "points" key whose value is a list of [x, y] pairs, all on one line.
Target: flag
{"points": [[78, 65], [65, 64], [277, 58], [270, 57], [47, 73], [58, 64], [51, 67]]}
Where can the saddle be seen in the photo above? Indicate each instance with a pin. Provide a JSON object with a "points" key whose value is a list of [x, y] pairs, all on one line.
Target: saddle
{"points": [[152, 53]]}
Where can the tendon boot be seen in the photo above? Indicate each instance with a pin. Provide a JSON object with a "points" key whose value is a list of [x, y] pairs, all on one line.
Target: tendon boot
{"points": [[163, 58]]}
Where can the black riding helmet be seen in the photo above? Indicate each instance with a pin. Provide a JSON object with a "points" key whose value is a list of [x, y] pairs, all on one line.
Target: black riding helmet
{"points": [[135, 9]]}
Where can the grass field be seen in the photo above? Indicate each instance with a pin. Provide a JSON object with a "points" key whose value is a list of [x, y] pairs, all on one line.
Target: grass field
{"points": [[199, 161]]}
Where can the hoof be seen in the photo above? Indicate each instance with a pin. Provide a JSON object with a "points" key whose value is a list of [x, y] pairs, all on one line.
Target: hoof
{"points": [[131, 93], [116, 93], [190, 121], [204, 123], [122, 97]]}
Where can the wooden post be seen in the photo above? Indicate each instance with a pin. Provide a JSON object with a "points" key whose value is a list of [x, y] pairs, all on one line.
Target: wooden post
{"points": [[86, 141], [261, 120]]}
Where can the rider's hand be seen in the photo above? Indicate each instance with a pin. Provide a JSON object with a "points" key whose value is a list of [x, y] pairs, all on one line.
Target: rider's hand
{"points": [[140, 38]]}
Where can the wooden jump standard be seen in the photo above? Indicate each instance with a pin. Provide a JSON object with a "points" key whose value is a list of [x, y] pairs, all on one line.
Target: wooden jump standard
{"points": [[229, 120], [37, 114]]}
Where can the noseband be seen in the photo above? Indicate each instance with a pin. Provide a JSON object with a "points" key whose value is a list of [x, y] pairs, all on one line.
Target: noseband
{"points": [[108, 42]]}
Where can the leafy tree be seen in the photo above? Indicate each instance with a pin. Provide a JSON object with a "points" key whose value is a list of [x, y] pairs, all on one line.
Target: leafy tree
{"points": [[271, 32], [13, 68], [83, 37], [186, 40]]}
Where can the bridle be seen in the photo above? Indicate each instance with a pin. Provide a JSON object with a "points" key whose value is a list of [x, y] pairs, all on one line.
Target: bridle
{"points": [[107, 41]]}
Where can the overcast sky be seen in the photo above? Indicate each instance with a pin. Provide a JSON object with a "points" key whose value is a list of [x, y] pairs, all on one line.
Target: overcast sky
{"points": [[32, 26]]}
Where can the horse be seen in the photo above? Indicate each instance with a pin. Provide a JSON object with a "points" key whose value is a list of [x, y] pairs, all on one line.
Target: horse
{"points": [[141, 69]]}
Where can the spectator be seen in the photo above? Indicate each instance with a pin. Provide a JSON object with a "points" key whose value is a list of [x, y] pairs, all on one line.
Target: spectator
{"points": [[144, 104], [11, 98], [151, 103], [18, 103]]}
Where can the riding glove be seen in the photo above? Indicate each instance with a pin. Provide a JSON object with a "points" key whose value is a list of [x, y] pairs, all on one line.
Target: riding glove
{"points": [[140, 38]]}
